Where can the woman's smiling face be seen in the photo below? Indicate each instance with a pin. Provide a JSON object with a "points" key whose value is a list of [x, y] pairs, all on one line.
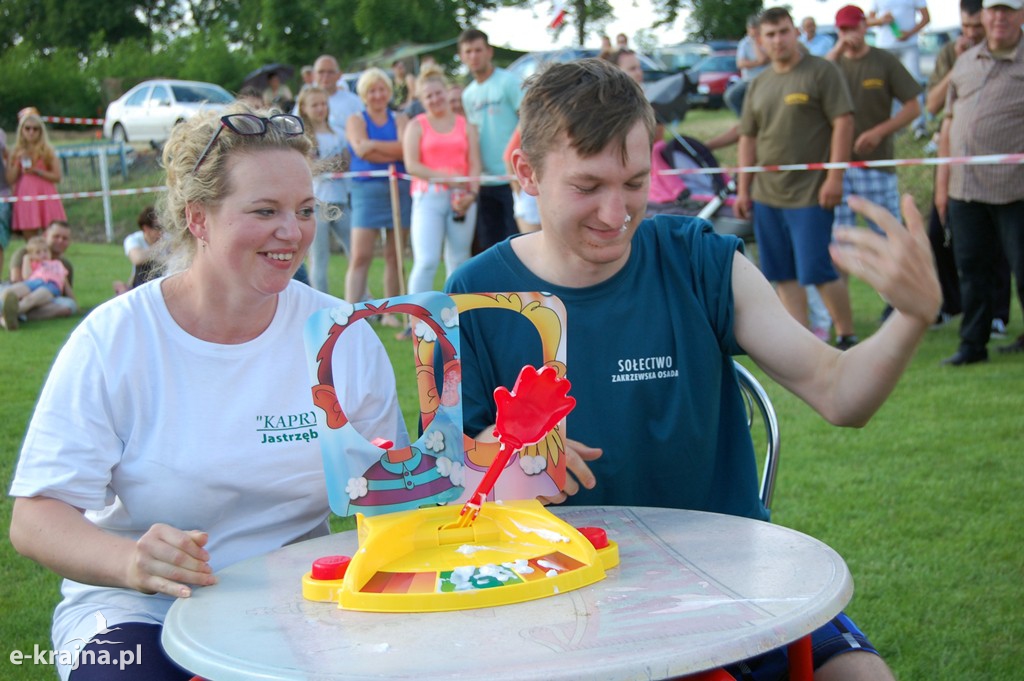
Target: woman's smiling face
{"points": [[257, 235]]}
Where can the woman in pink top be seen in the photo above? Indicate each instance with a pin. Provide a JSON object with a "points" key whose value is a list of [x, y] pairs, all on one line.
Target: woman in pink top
{"points": [[440, 145]]}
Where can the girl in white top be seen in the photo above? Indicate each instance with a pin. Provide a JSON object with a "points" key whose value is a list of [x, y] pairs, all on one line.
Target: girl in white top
{"points": [[176, 433], [331, 193]]}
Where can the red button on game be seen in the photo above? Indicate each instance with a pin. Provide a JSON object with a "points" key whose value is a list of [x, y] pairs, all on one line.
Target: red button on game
{"points": [[596, 536], [330, 567]]}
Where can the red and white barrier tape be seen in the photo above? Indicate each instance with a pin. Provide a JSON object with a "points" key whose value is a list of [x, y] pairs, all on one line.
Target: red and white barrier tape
{"points": [[72, 120], [83, 195], [990, 159]]}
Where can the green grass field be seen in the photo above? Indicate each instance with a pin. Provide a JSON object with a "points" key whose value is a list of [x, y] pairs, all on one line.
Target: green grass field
{"points": [[924, 503]]}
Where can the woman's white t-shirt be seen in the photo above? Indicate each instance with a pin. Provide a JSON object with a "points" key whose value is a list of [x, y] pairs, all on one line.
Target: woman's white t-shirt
{"points": [[141, 423]]}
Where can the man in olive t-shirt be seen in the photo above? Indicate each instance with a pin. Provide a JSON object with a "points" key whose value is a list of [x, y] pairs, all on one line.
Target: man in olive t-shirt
{"points": [[875, 78], [797, 111]]}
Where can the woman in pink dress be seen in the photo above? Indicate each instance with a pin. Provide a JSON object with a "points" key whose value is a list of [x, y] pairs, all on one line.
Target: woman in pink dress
{"points": [[34, 171]]}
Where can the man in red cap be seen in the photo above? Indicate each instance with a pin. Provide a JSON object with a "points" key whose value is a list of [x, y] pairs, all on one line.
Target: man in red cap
{"points": [[875, 78]]}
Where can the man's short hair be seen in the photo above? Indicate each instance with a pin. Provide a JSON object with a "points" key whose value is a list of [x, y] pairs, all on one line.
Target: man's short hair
{"points": [[753, 21], [148, 218], [58, 223], [970, 7], [776, 15], [472, 35], [590, 101]]}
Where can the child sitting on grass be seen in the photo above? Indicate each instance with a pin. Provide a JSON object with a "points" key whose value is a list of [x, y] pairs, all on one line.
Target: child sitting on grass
{"points": [[44, 278]]}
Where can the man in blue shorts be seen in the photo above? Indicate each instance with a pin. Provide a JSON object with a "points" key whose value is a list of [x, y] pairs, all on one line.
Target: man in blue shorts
{"points": [[655, 311], [797, 111]]}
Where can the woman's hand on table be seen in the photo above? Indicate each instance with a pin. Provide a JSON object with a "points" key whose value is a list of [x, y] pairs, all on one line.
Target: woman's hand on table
{"points": [[579, 473], [167, 560]]}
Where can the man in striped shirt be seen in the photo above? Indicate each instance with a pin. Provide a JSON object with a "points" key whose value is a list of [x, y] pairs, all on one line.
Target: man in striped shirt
{"points": [[985, 203]]}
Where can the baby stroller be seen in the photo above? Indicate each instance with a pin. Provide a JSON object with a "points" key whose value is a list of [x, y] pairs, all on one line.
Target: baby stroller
{"points": [[709, 196]]}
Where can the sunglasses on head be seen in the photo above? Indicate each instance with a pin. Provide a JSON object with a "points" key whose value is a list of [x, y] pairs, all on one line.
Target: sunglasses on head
{"points": [[251, 124]]}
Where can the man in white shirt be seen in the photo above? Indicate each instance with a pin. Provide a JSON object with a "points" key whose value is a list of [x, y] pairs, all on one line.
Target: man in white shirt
{"points": [[750, 60], [816, 43], [138, 248], [341, 102], [900, 21]]}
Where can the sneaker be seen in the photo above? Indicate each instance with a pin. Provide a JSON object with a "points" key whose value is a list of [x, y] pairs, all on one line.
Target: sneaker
{"points": [[9, 317], [822, 333], [920, 132], [846, 342], [998, 329]]}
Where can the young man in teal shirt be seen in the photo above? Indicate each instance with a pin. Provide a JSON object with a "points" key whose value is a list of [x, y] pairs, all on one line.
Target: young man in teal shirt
{"points": [[656, 309], [491, 102]]}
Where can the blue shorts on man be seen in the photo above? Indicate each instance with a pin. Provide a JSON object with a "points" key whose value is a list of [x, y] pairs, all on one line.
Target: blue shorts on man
{"points": [[793, 243]]}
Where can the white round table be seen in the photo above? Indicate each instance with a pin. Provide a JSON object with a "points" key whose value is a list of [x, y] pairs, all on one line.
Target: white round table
{"points": [[693, 591]]}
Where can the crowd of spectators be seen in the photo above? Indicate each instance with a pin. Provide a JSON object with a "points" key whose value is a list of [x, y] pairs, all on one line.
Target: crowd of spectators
{"points": [[99, 489], [876, 90]]}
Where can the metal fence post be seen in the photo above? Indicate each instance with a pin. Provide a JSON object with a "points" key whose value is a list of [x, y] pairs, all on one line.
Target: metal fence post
{"points": [[105, 188]]}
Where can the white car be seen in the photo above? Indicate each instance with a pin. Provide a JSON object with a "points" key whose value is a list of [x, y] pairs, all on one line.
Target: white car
{"points": [[148, 111]]}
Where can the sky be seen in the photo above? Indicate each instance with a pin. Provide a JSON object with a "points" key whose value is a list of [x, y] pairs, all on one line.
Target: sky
{"points": [[526, 29]]}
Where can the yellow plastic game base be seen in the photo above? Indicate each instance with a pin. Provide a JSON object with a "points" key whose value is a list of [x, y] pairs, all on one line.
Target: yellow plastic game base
{"points": [[513, 552]]}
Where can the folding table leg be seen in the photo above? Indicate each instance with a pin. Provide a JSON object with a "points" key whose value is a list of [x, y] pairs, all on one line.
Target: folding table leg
{"points": [[801, 661]]}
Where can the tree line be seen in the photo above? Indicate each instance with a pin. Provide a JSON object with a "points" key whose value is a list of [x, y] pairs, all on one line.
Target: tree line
{"points": [[71, 59]]}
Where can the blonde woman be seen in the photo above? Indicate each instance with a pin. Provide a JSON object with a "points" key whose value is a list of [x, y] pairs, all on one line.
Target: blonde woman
{"points": [[331, 193], [374, 138], [34, 170]]}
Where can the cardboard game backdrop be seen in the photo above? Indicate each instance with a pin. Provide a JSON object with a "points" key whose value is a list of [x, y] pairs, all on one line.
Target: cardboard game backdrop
{"points": [[442, 465]]}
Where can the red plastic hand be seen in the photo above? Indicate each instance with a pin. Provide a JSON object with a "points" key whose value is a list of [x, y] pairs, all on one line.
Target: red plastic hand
{"points": [[536, 404]]}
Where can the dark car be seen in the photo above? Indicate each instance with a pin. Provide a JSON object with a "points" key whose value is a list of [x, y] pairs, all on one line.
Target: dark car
{"points": [[527, 65], [714, 75], [723, 45]]}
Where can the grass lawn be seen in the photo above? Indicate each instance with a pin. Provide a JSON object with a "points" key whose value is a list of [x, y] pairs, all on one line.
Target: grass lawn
{"points": [[924, 503]]}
